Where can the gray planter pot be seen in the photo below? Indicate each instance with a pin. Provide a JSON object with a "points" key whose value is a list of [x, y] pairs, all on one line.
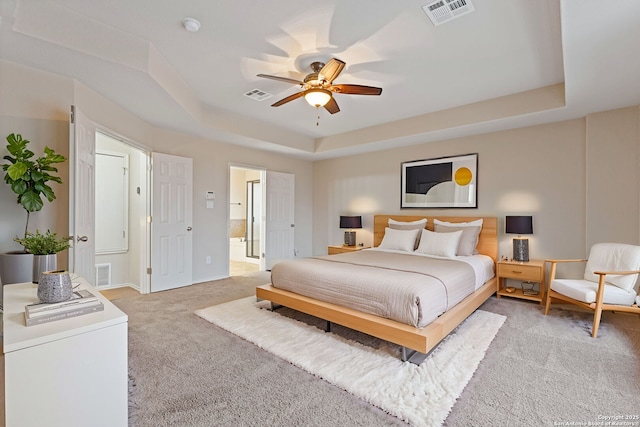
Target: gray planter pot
{"points": [[42, 263], [16, 267]]}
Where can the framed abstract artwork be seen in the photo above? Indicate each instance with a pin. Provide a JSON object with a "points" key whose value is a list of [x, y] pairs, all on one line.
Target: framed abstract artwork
{"points": [[445, 182]]}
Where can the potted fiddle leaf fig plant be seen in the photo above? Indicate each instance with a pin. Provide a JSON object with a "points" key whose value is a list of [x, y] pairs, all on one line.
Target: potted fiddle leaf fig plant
{"points": [[44, 248], [29, 179]]}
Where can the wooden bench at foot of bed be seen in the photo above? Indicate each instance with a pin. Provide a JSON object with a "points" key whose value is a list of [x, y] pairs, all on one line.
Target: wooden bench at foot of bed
{"points": [[422, 340]]}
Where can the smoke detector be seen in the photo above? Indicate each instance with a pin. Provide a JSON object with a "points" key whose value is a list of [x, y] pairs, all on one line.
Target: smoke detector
{"points": [[441, 11], [191, 25]]}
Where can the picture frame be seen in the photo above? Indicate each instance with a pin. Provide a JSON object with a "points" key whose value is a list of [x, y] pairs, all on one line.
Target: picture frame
{"points": [[443, 182]]}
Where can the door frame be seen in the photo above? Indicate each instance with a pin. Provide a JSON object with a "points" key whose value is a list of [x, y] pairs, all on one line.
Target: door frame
{"points": [[144, 278], [263, 177], [145, 284], [253, 184]]}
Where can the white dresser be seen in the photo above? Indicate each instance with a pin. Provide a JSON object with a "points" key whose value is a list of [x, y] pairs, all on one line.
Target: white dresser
{"points": [[71, 372]]}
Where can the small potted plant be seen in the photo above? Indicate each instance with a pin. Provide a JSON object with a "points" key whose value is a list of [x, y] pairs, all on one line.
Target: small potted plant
{"points": [[44, 248]]}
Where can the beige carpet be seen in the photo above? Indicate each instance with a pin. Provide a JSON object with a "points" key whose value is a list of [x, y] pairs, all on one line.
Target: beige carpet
{"points": [[538, 371]]}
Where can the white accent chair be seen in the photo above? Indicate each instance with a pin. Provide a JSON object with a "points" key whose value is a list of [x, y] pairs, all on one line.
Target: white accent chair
{"points": [[609, 282]]}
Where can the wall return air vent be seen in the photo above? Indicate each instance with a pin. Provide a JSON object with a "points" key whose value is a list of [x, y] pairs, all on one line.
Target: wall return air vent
{"points": [[103, 274], [442, 11]]}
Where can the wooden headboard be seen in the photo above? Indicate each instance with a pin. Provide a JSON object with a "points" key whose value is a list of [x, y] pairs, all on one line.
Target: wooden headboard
{"points": [[487, 241]]}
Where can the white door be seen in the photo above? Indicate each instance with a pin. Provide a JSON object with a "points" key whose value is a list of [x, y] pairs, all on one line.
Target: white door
{"points": [[82, 143], [279, 218], [171, 219]]}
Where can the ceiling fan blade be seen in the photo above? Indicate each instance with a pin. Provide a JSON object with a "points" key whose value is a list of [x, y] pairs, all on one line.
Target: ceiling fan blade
{"points": [[332, 106], [356, 89], [332, 69], [287, 99], [281, 79]]}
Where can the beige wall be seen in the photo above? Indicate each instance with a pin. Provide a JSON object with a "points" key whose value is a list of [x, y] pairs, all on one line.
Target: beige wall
{"points": [[613, 177], [553, 172], [40, 114]]}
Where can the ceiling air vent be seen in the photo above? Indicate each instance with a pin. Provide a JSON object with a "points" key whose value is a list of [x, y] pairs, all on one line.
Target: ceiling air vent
{"points": [[258, 95], [442, 11]]}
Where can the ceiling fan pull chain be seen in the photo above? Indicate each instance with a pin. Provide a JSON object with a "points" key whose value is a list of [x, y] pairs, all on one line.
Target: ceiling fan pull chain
{"points": [[318, 121]]}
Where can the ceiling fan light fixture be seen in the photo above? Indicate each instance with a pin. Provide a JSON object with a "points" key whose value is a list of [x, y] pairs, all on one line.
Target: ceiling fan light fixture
{"points": [[317, 97], [318, 88]]}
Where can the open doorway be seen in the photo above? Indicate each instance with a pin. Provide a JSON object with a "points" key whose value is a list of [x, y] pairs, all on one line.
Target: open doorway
{"points": [[121, 211], [246, 220]]}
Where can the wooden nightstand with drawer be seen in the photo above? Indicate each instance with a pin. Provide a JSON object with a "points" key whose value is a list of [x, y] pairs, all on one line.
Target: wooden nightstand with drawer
{"points": [[342, 249], [527, 272]]}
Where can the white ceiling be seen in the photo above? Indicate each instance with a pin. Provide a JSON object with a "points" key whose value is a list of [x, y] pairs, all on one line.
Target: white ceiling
{"points": [[138, 54]]}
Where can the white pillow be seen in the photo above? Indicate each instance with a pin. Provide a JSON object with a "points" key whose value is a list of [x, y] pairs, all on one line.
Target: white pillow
{"points": [[439, 244], [476, 223], [399, 240], [409, 225]]}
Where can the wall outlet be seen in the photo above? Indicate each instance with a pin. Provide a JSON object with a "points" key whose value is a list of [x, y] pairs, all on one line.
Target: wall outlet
{"points": [[296, 252], [208, 260]]}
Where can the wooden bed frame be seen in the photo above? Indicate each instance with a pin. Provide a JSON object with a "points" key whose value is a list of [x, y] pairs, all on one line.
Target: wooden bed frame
{"points": [[421, 340]]}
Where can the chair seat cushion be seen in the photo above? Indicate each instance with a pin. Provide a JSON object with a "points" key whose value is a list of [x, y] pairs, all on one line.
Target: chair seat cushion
{"points": [[585, 291]]}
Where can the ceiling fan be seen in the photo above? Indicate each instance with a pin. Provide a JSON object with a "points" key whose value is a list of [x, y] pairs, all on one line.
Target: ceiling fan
{"points": [[319, 88]]}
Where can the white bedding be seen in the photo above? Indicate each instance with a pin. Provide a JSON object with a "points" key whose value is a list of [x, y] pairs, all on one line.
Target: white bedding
{"points": [[482, 264], [408, 288]]}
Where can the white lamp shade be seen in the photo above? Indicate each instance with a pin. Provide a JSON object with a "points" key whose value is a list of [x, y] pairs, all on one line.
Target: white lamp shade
{"points": [[317, 97]]}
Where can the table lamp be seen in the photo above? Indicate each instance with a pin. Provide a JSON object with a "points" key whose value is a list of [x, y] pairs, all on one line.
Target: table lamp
{"points": [[520, 225], [350, 222]]}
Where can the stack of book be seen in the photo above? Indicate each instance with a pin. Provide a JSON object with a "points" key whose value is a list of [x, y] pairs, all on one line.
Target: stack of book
{"points": [[81, 302]]}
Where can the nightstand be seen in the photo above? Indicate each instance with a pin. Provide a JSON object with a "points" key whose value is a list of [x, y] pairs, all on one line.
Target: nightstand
{"points": [[531, 271], [342, 249]]}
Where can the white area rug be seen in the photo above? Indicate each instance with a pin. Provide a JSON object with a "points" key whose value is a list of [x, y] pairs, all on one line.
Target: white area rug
{"points": [[420, 395]]}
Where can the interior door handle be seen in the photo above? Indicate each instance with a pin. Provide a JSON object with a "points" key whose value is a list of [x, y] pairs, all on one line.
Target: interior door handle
{"points": [[82, 239], [189, 228]]}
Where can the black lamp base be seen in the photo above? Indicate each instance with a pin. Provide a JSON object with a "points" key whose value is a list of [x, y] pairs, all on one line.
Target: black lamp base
{"points": [[521, 250], [349, 238]]}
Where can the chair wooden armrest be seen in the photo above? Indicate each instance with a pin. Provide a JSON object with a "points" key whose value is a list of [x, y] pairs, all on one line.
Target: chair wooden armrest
{"points": [[565, 260], [616, 273]]}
